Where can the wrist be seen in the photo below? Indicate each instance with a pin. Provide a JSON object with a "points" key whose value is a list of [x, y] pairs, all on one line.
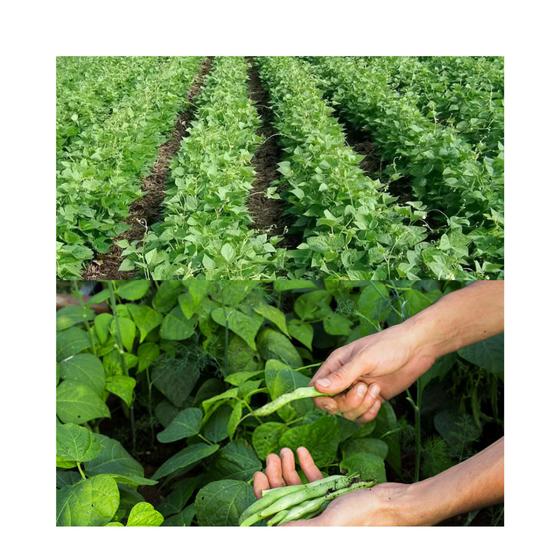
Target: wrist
{"points": [[428, 336]]}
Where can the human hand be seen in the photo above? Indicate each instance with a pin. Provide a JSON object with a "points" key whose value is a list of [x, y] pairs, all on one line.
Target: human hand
{"points": [[375, 367], [281, 470]]}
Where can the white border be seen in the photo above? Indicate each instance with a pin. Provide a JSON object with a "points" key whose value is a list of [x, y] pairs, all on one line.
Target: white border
{"points": [[35, 32]]}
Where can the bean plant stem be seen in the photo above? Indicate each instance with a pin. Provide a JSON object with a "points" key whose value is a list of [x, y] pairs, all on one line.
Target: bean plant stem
{"points": [[82, 474]]}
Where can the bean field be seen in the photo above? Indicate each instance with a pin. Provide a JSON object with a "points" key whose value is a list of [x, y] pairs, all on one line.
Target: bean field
{"points": [[364, 168]]}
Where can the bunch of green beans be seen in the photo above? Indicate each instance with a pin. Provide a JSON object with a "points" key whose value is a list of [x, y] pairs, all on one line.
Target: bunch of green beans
{"points": [[301, 501]]}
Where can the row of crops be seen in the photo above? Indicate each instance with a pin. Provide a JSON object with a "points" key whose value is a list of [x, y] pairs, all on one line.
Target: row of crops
{"points": [[433, 208], [157, 385]]}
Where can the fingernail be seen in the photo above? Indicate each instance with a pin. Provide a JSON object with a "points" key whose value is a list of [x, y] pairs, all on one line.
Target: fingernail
{"points": [[324, 382], [374, 390], [361, 390]]}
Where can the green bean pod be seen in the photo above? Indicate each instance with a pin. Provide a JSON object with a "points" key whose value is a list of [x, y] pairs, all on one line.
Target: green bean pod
{"points": [[303, 509], [278, 518], [283, 400], [249, 514]]}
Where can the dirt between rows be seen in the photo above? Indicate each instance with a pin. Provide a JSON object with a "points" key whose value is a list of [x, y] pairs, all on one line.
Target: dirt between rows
{"points": [[268, 215], [147, 210]]}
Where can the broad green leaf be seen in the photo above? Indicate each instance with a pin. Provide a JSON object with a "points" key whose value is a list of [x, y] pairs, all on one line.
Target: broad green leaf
{"points": [[275, 345], [102, 324], [165, 298], [175, 378], [266, 438], [144, 515], [127, 330], [281, 379], [116, 461], [230, 293], [375, 302], [368, 465], [234, 418], [240, 357], [415, 301], [220, 503], [387, 429], [165, 412], [274, 315], [313, 306], [216, 427], [236, 460], [85, 369], [67, 478], [365, 445], [90, 502], [175, 501], [209, 404], [73, 315], [241, 377], [186, 424], [302, 332], [487, 354], [78, 403], [133, 290], [284, 285], [183, 518], [241, 324], [122, 386], [148, 353], [337, 325], [186, 458], [320, 436], [190, 301], [70, 342], [438, 370], [75, 443], [146, 318], [457, 429], [176, 326]]}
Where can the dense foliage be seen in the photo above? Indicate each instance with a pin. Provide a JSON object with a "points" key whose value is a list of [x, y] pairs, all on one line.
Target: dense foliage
{"points": [[156, 392]]}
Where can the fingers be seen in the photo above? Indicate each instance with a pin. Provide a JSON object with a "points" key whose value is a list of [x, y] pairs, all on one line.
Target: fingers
{"points": [[308, 465], [273, 471], [289, 467], [371, 413], [359, 400], [326, 403], [340, 379], [260, 483]]}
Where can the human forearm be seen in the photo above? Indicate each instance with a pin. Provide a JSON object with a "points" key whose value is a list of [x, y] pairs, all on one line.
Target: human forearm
{"points": [[460, 318], [473, 484]]}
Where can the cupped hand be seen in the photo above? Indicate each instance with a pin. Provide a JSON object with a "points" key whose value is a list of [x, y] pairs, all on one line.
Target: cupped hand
{"points": [[281, 470], [377, 506], [369, 370]]}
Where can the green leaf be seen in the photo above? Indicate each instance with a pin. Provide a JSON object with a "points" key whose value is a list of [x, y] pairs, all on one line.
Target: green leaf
{"points": [[216, 427], [302, 332], [221, 502], [175, 378], [236, 460], [78, 403], [127, 330], [176, 326], [284, 285], [90, 502], [273, 314], [375, 302], [275, 345], [230, 293], [241, 324], [72, 315], [320, 436], [185, 459], [457, 429], [365, 445], [75, 443], [415, 301], [266, 438], [190, 301], [183, 518], [122, 386], [313, 306], [337, 325], [144, 515], [176, 500], [368, 465], [487, 354], [209, 404], [146, 318], [228, 252], [101, 324], [85, 369], [235, 418], [186, 424], [166, 296], [241, 377], [70, 342], [117, 462], [133, 290], [386, 428], [148, 353]]}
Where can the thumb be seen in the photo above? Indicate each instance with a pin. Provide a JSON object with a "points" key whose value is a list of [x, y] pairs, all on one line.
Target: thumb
{"points": [[340, 379]]}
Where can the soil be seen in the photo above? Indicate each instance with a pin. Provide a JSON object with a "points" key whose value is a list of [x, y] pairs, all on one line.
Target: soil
{"points": [[147, 210], [268, 215]]}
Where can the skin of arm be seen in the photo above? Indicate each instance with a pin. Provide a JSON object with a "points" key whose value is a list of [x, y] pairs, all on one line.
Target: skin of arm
{"points": [[384, 364], [475, 483]]}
